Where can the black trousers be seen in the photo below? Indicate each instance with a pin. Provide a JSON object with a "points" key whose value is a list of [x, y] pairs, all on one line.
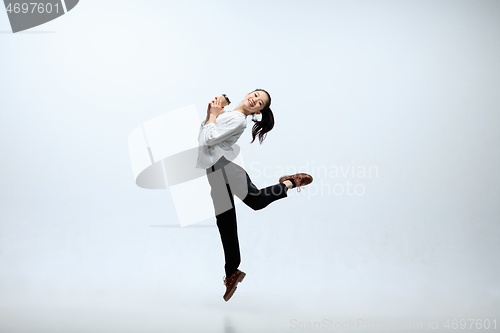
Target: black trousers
{"points": [[227, 179]]}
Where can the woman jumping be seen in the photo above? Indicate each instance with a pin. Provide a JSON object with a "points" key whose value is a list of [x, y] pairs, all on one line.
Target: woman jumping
{"points": [[218, 133]]}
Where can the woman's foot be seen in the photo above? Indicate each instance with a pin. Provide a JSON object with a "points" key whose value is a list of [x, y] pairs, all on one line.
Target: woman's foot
{"points": [[231, 283], [297, 180], [289, 184]]}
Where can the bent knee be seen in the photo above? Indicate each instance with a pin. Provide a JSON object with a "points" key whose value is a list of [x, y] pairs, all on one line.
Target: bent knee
{"points": [[254, 204]]}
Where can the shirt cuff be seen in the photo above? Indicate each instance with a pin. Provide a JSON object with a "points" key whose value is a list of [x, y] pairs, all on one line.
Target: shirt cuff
{"points": [[207, 124]]}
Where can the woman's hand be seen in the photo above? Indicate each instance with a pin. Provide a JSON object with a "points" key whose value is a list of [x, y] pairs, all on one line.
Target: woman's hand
{"points": [[215, 107], [214, 110]]}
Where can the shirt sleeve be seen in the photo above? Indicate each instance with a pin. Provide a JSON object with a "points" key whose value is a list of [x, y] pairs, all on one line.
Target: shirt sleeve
{"points": [[210, 134]]}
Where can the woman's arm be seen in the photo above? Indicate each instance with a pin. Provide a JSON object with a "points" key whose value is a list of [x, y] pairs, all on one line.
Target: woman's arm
{"points": [[211, 134], [208, 116]]}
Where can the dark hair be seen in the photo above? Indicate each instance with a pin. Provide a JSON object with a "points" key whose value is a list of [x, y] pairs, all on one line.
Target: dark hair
{"points": [[266, 124]]}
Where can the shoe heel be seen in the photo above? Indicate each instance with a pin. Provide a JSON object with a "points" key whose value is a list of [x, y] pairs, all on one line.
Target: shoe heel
{"points": [[242, 276]]}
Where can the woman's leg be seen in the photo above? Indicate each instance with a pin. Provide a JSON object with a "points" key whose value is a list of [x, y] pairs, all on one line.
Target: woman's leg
{"points": [[226, 222], [243, 187], [225, 214], [227, 179], [260, 198]]}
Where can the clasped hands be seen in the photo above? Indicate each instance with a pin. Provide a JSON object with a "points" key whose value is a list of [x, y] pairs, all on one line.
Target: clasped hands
{"points": [[214, 109]]}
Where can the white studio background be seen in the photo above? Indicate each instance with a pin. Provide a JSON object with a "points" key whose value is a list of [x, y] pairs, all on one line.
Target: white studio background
{"points": [[408, 88]]}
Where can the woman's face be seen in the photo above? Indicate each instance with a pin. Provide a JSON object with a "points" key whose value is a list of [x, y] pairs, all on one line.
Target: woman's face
{"points": [[256, 101]]}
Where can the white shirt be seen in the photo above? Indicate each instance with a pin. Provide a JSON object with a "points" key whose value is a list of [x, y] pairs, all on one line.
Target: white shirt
{"points": [[216, 140]]}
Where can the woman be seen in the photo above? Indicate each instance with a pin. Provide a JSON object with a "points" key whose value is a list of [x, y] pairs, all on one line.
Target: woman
{"points": [[218, 133]]}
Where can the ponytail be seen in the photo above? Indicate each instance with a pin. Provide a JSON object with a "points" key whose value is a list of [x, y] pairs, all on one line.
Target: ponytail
{"points": [[260, 128]]}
